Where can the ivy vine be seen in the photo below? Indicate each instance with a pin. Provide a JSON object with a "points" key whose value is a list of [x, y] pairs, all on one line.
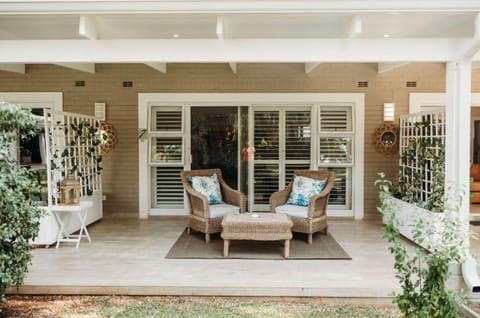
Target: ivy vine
{"points": [[85, 135]]}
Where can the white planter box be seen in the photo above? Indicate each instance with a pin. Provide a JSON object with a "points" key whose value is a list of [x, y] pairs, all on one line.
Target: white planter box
{"points": [[408, 215]]}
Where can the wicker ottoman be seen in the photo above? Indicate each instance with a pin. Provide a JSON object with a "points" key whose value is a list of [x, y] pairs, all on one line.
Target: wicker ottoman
{"points": [[257, 227]]}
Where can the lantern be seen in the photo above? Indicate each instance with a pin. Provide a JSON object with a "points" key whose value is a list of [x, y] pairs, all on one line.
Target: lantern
{"points": [[70, 191]]}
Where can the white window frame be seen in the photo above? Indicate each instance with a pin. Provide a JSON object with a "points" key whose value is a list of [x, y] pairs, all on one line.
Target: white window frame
{"points": [[247, 99], [338, 134]]}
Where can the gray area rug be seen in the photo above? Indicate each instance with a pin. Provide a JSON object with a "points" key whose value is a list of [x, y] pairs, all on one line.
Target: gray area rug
{"points": [[193, 246]]}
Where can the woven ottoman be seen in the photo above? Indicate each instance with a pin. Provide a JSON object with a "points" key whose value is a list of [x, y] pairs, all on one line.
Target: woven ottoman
{"points": [[257, 227]]}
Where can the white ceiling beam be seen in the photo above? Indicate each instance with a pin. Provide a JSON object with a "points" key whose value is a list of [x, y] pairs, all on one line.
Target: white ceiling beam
{"points": [[473, 48], [310, 67], [87, 27], [220, 28], [10, 7], [240, 51], [385, 67], [161, 67], [83, 67], [233, 67], [355, 27], [13, 67]]}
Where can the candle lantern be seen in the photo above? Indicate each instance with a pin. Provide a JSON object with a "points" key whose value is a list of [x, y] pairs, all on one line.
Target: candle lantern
{"points": [[70, 191]]}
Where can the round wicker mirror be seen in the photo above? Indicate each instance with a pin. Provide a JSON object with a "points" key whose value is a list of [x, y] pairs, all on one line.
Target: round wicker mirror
{"points": [[386, 138]]}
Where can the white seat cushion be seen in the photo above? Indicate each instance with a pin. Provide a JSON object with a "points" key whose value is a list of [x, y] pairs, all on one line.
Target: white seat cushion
{"points": [[222, 209], [296, 211]]}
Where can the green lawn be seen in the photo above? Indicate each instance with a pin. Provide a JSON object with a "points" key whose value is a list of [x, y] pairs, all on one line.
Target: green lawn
{"points": [[135, 307]]}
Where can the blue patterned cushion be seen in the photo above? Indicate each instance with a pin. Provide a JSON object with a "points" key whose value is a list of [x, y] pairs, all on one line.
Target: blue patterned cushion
{"points": [[304, 188], [208, 186]]}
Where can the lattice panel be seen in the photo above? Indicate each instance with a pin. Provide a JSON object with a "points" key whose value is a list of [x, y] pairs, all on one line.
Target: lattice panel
{"points": [[422, 137], [74, 148]]}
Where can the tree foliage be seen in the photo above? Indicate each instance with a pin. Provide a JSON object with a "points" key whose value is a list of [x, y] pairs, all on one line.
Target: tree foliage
{"points": [[19, 215]]}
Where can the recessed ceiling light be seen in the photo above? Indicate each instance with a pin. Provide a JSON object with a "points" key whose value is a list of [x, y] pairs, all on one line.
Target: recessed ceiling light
{"points": [[386, 35], [176, 35]]}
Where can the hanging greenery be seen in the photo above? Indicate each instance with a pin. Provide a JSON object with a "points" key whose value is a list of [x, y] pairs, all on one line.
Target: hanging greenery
{"points": [[82, 138], [19, 215]]}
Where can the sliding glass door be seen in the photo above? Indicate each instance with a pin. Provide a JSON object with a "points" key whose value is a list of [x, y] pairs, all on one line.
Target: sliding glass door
{"points": [[214, 140]]}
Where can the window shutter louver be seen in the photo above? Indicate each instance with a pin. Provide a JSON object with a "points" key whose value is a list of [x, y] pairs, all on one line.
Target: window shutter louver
{"points": [[339, 195], [168, 191], [266, 135], [335, 119], [335, 149], [297, 135], [167, 119], [167, 150], [266, 141]]}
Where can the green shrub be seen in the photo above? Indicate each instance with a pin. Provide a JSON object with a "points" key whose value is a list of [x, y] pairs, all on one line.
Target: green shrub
{"points": [[19, 216], [423, 273]]}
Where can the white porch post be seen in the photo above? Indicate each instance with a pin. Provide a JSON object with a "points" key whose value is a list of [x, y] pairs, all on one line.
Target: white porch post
{"points": [[457, 152]]}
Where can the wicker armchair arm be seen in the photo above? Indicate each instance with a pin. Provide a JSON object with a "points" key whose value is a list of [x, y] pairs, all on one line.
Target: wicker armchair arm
{"points": [[199, 204], [234, 197], [279, 198], [317, 205]]}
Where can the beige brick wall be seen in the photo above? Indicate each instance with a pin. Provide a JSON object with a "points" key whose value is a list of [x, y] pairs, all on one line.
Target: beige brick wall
{"points": [[121, 164]]}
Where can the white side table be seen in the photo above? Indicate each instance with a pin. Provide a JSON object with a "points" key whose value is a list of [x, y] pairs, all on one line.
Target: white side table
{"points": [[59, 211]]}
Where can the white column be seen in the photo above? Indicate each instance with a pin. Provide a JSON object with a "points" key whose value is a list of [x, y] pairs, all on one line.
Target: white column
{"points": [[458, 104]]}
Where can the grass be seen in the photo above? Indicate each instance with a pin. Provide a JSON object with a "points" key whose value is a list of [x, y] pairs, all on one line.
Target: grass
{"points": [[183, 307]]}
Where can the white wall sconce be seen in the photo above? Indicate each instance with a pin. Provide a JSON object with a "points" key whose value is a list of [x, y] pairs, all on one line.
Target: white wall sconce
{"points": [[388, 111]]}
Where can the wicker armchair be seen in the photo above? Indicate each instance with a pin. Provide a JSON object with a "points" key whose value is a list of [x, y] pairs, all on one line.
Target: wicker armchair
{"points": [[309, 219], [207, 218]]}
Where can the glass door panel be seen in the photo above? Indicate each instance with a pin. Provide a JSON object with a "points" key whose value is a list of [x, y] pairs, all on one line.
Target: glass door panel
{"points": [[214, 140]]}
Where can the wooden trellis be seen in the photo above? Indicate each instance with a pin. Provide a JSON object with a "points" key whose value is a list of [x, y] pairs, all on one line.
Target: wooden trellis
{"points": [[74, 148], [422, 153]]}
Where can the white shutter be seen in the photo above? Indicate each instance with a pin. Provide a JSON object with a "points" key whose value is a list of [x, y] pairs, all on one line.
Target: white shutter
{"points": [[297, 142], [266, 135], [167, 187], [167, 150], [168, 119], [166, 156], [266, 182], [297, 135], [267, 152], [340, 195], [335, 150], [335, 118]]}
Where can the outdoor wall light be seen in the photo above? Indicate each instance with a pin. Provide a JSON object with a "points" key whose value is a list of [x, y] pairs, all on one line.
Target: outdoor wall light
{"points": [[388, 111]]}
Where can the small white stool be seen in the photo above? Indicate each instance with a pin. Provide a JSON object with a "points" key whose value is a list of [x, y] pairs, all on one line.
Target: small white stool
{"points": [[81, 212]]}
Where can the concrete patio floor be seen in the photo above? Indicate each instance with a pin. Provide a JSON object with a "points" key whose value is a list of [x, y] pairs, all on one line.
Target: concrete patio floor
{"points": [[127, 256]]}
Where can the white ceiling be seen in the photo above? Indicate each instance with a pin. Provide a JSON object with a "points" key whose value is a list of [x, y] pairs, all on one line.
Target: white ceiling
{"points": [[78, 34], [241, 26]]}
